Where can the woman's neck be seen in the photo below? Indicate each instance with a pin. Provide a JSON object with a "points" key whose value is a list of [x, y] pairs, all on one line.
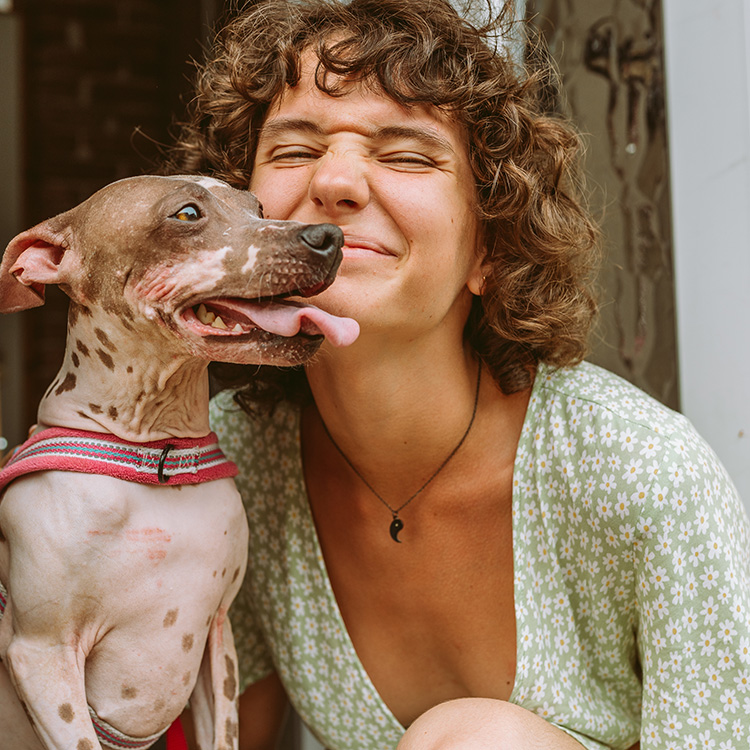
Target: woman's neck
{"points": [[395, 417]]}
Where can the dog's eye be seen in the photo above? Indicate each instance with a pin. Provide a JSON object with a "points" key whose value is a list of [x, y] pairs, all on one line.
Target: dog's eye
{"points": [[187, 213]]}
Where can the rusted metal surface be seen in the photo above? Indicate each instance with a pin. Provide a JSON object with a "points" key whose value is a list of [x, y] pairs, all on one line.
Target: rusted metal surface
{"points": [[610, 57]]}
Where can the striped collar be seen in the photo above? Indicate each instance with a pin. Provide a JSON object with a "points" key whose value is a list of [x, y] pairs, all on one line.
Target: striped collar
{"points": [[167, 462]]}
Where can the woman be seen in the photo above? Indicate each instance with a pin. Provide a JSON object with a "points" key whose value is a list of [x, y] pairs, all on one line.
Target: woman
{"points": [[457, 527]]}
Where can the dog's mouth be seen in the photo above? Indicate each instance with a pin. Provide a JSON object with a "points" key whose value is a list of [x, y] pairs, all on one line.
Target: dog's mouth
{"points": [[228, 317]]}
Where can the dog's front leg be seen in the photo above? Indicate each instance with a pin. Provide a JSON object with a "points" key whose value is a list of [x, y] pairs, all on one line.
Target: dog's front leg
{"points": [[49, 680], [214, 699]]}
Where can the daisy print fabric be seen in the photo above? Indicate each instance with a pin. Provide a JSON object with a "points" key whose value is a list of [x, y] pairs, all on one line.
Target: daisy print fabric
{"points": [[631, 561]]}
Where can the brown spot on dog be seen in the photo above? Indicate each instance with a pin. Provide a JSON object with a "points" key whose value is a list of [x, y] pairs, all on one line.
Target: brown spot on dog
{"points": [[104, 339], [128, 692], [107, 361], [230, 732], [186, 678], [84, 744], [140, 396], [112, 412], [187, 642], [130, 369], [223, 572], [124, 323], [235, 574], [170, 618], [67, 385], [82, 348], [159, 704], [72, 314], [95, 408], [85, 311], [66, 712], [75, 360], [230, 683], [215, 573]]}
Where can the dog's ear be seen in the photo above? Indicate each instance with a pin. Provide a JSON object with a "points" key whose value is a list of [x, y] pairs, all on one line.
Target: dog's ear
{"points": [[32, 260]]}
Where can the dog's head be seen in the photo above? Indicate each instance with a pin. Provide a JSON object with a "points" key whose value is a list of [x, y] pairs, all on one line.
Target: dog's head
{"points": [[194, 256]]}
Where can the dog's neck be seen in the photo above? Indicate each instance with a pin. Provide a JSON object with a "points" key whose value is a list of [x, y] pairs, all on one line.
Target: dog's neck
{"points": [[116, 381]]}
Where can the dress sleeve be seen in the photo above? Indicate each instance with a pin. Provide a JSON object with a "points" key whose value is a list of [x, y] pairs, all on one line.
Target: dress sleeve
{"points": [[693, 598], [235, 432]]}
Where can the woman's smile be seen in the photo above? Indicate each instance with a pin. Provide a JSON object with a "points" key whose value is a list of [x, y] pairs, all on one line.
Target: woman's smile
{"points": [[361, 247]]}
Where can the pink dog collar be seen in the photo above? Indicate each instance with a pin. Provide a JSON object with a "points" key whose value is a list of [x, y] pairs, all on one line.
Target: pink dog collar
{"points": [[167, 462]]}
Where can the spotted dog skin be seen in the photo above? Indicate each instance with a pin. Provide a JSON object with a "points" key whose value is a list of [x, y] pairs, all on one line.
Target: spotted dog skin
{"points": [[118, 592]]}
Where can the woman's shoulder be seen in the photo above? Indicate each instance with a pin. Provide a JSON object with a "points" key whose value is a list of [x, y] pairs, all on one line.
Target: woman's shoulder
{"points": [[597, 426], [598, 393]]}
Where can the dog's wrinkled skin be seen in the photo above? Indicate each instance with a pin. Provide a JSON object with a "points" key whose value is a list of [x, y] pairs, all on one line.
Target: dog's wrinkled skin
{"points": [[118, 592]]}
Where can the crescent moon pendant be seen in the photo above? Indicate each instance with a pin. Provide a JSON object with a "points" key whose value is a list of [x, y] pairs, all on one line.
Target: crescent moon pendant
{"points": [[396, 525]]}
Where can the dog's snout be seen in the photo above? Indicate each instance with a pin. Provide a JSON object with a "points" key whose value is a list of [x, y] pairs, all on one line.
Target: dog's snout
{"points": [[325, 239]]}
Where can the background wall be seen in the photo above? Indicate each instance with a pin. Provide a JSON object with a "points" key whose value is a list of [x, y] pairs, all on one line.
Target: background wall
{"points": [[89, 89], [11, 150], [661, 93], [708, 59], [610, 56]]}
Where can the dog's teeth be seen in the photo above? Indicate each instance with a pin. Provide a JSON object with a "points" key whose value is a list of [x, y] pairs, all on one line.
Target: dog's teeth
{"points": [[205, 317], [237, 328], [219, 323]]}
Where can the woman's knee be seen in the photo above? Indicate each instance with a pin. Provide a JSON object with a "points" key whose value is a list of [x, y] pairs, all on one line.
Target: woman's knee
{"points": [[483, 724]]}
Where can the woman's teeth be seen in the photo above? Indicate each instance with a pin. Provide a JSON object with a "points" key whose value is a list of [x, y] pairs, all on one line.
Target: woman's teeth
{"points": [[210, 319]]}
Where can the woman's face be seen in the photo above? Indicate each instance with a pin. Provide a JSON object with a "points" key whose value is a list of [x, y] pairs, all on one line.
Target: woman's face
{"points": [[397, 182]]}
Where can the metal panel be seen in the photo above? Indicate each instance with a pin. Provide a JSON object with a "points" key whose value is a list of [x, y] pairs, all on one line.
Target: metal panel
{"points": [[610, 58]]}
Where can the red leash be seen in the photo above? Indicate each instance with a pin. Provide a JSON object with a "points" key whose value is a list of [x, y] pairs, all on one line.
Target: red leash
{"points": [[176, 737]]}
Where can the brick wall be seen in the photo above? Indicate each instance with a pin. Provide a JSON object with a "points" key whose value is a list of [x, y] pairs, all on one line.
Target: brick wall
{"points": [[103, 80]]}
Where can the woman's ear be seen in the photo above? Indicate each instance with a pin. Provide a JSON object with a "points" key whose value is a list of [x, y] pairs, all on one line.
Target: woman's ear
{"points": [[476, 280]]}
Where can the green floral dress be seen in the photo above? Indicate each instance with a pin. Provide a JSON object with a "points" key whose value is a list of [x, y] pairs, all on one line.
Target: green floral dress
{"points": [[632, 590]]}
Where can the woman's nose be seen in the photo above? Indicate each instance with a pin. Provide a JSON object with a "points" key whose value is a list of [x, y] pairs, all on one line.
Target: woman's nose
{"points": [[339, 184]]}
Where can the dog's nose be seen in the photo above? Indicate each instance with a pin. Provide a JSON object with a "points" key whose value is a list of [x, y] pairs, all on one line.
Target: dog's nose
{"points": [[324, 239]]}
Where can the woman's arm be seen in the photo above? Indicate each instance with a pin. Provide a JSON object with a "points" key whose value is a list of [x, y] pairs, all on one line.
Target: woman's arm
{"points": [[693, 584], [263, 707]]}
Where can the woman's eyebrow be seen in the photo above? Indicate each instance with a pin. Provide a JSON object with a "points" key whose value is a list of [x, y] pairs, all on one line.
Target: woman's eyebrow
{"points": [[424, 136], [286, 125]]}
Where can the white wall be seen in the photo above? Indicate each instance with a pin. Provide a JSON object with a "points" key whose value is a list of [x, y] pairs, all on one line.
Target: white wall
{"points": [[708, 97]]}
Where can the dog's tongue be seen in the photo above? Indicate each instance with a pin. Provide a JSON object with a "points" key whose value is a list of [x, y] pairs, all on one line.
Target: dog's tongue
{"points": [[290, 318]]}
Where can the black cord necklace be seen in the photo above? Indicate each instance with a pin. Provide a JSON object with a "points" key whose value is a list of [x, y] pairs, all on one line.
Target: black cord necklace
{"points": [[396, 523]]}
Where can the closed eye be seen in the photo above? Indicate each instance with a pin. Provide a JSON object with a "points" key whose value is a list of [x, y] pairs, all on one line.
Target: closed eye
{"points": [[408, 159], [294, 154], [187, 213]]}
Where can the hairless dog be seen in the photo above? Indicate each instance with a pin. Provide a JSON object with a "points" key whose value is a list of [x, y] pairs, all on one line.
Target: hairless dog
{"points": [[122, 536]]}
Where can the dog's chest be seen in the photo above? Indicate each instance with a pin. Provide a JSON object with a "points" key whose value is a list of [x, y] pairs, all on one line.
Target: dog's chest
{"points": [[150, 567]]}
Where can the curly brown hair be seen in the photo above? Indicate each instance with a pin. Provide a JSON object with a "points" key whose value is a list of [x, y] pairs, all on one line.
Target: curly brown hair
{"points": [[541, 244]]}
